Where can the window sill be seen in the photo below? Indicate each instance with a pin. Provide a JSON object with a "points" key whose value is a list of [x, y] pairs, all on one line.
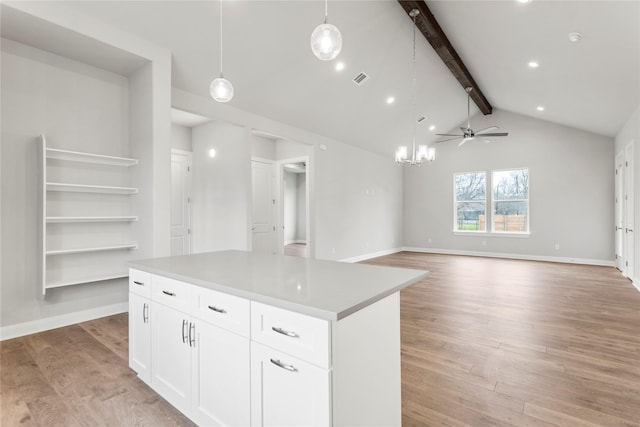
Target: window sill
{"points": [[492, 234]]}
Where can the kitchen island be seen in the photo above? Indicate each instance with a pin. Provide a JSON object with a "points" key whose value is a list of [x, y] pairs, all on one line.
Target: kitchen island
{"points": [[239, 338]]}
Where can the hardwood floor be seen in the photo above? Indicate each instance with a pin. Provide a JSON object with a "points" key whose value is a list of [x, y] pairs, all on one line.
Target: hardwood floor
{"points": [[296, 249], [493, 342], [485, 342]]}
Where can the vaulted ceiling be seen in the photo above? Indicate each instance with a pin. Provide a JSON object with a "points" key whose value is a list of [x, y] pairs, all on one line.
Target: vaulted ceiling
{"points": [[592, 85]]}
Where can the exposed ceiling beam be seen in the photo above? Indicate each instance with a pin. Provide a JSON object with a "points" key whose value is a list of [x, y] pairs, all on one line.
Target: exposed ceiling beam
{"points": [[431, 30]]}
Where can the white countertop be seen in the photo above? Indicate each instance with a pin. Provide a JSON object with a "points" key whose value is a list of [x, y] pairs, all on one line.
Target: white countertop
{"points": [[326, 289]]}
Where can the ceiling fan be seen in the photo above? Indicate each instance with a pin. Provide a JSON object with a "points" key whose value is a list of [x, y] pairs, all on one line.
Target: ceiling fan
{"points": [[469, 134]]}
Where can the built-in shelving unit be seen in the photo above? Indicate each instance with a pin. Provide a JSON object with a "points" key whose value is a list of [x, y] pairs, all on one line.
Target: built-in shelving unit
{"points": [[86, 218]]}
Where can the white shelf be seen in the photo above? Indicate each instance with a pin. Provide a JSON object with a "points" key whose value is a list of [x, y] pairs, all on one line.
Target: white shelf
{"points": [[72, 219], [81, 188], [76, 156], [94, 249], [82, 280]]}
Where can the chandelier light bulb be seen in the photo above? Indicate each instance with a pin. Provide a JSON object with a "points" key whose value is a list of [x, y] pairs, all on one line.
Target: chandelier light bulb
{"points": [[326, 41], [221, 89]]}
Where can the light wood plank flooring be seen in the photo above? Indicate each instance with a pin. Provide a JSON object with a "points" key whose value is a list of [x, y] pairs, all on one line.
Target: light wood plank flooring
{"points": [[485, 342]]}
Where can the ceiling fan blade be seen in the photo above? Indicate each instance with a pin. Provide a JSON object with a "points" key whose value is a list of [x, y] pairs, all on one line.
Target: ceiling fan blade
{"points": [[495, 134], [449, 134], [486, 141], [448, 139], [464, 140], [489, 129]]}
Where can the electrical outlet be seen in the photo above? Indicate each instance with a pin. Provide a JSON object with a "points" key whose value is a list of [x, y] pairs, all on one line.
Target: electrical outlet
{"points": [[557, 246], [333, 250], [484, 243], [429, 240]]}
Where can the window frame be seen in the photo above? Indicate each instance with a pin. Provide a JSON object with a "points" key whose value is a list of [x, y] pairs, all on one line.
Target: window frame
{"points": [[494, 200], [455, 203], [490, 202]]}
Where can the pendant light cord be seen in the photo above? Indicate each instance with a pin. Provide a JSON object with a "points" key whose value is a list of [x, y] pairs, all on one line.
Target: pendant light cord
{"points": [[414, 89], [220, 38], [326, 11]]}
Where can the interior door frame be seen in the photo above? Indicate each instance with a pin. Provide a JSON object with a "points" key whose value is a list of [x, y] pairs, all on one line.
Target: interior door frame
{"points": [[629, 212], [619, 211], [280, 217]]}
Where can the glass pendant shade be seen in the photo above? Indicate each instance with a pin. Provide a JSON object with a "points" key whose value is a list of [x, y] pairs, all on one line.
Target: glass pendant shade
{"points": [[221, 89], [326, 41]]}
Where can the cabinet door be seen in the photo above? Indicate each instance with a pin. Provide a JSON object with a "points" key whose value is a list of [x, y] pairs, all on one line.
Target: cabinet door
{"points": [[221, 380], [171, 362], [140, 336], [287, 391]]}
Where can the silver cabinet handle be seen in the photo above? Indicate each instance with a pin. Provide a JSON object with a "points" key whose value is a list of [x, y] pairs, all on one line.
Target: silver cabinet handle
{"points": [[285, 332], [145, 313], [279, 364], [138, 283], [192, 339], [217, 310], [171, 294], [184, 334]]}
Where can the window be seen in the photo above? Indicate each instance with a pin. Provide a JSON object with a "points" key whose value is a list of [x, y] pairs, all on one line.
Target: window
{"points": [[510, 201], [470, 201]]}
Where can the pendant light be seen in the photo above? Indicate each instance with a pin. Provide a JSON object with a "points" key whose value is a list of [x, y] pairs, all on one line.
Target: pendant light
{"points": [[221, 89], [326, 40], [424, 152]]}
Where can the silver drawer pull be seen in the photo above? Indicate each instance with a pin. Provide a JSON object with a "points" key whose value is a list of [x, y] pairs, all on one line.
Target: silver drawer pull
{"points": [[284, 332], [217, 310], [171, 294], [279, 364], [138, 283]]}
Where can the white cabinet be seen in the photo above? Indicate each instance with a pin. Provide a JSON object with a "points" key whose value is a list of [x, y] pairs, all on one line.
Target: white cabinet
{"points": [[201, 367], [220, 377], [172, 338], [85, 216], [286, 391], [140, 324]]}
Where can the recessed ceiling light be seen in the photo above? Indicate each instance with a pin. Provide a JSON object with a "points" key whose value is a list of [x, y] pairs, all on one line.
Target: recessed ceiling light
{"points": [[575, 37], [212, 153], [540, 108], [524, 1], [533, 64], [432, 127], [390, 100], [340, 66]]}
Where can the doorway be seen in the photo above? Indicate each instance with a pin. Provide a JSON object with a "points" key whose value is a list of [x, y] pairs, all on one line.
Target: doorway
{"points": [[625, 211], [294, 214], [263, 228]]}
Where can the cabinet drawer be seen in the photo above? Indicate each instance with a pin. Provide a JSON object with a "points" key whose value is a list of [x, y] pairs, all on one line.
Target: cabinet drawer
{"points": [[172, 293], [140, 283], [293, 333], [223, 310]]}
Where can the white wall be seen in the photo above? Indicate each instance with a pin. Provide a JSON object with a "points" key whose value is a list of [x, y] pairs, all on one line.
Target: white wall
{"points": [[221, 193], [356, 205], [571, 191], [263, 148], [77, 107], [630, 133], [181, 137]]}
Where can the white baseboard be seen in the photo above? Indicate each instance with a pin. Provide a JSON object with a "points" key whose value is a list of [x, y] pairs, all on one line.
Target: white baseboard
{"points": [[371, 255], [585, 261], [40, 325], [636, 284]]}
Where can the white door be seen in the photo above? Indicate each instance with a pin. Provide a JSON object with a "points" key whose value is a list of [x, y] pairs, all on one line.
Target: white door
{"points": [[629, 240], [287, 391], [171, 361], [180, 202], [263, 229], [221, 380], [619, 211], [139, 337]]}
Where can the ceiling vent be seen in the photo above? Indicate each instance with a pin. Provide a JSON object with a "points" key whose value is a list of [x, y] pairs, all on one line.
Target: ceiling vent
{"points": [[360, 78]]}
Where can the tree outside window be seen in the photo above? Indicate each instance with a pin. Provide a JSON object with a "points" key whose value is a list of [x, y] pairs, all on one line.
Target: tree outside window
{"points": [[510, 199], [470, 201]]}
